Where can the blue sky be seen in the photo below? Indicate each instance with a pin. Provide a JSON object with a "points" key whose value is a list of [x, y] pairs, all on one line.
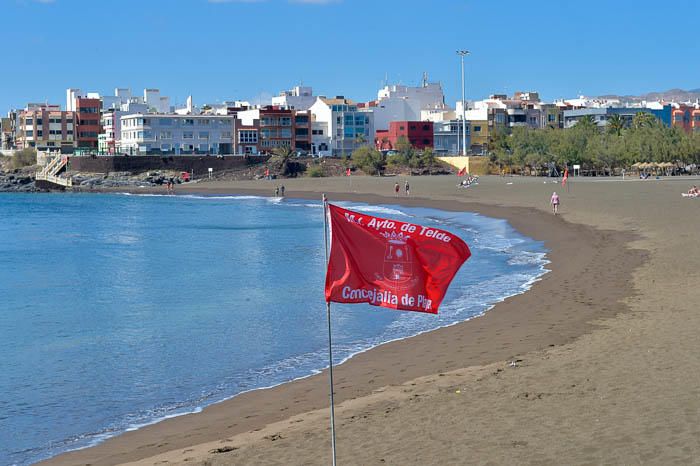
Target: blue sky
{"points": [[224, 50]]}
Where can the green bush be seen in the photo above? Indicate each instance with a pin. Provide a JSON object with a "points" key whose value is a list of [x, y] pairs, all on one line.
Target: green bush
{"points": [[24, 158], [315, 172], [370, 160]]}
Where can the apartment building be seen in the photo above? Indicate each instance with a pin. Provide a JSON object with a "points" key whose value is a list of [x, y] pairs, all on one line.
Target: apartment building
{"points": [[262, 129], [346, 126], [447, 137], [176, 134], [87, 115], [45, 127]]}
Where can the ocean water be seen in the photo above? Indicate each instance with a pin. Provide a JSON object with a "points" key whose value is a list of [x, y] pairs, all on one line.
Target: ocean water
{"points": [[118, 310]]}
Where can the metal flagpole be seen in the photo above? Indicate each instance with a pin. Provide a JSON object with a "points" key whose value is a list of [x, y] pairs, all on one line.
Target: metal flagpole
{"points": [[330, 341]]}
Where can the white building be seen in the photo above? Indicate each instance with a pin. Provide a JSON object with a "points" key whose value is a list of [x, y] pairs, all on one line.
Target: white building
{"points": [[404, 103], [297, 98], [177, 134], [346, 127]]}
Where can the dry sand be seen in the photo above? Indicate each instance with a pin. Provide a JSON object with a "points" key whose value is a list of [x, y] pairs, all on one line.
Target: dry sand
{"points": [[596, 364]]}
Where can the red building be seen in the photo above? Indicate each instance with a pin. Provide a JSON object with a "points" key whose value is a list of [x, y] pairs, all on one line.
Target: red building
{"points": [[87, 113], [418, 133], [686, 117]]}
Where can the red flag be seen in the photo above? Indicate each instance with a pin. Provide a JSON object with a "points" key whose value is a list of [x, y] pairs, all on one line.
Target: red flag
{"points": [[390, 264], [462, 172], [566, 177]]}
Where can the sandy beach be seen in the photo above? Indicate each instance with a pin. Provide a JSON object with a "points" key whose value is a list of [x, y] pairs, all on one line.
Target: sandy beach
{"points": [[596, 364]]}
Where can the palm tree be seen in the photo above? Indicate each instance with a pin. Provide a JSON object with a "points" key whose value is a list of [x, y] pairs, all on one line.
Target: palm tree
{"points": [[586, 120], [643, 120], [616, 124]]}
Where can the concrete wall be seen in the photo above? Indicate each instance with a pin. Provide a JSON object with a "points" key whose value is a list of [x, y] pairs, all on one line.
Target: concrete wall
{"points": [[142, 163], [474, 165]]}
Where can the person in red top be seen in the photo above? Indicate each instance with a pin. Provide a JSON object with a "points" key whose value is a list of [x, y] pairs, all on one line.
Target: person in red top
{"points": [[554, 201], [396, 189]]}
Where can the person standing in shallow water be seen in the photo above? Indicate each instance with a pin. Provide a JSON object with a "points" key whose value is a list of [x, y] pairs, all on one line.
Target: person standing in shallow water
{"points": [[554, 201], [406, 188], [396, 189]]}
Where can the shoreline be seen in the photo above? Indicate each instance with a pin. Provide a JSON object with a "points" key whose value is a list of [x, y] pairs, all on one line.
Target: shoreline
{"points": [[489, 338]]}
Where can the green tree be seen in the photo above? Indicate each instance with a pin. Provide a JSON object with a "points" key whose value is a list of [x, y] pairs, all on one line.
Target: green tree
{"points": [[616, 124], [369, 159]]}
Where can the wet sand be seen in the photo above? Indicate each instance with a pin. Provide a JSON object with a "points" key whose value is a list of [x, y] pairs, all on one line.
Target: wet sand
{"points": [[595, 364]]}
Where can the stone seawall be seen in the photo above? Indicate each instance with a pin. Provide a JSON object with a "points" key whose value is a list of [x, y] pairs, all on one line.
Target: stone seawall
{"points": [[200, 164]]}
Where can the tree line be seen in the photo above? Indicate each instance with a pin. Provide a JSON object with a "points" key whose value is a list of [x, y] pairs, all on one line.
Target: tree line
{"points": [[619, 145]]}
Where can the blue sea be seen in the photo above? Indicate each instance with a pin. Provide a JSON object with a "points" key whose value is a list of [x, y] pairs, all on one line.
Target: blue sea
{"points": [[121, 310]]}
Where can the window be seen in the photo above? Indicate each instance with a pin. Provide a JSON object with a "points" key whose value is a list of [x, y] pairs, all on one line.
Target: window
{"points": [[349, 132], [426, 142], [166, 135], [204, 147], [165, 147], [301, 131], [188, 135], [426, 127], [413, 127], [317, 132], [39, 121], [248, 137], [28, 122], [301, 119], [29, 133], [204, 122], [225, 135], [165, 122], [285, 133], [285, 121], [401, 128], [39, 133], [204, 135], [188, 122], [477, 129], [550, 118]]}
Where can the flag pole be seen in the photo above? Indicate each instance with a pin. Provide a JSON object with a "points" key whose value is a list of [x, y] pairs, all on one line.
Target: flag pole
{"points": [[330, 341]]}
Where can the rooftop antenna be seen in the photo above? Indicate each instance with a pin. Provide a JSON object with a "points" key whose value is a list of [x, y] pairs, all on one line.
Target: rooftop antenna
{"points": [[386, 78], [425, 79]]}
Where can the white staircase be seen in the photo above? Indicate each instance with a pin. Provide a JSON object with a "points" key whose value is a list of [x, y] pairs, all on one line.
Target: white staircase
{"points": [[50, 172]]}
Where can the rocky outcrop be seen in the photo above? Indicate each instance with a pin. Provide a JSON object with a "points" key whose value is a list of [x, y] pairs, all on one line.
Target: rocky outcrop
{"points": [[17, 180]]}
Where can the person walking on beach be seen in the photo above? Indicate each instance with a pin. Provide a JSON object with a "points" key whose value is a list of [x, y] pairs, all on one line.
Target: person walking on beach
{"points": [[406, 188], [396, 189], [554, 201]]}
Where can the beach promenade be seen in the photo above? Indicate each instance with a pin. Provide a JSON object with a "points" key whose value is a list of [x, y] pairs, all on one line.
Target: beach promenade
{"points": [[596, 364]]}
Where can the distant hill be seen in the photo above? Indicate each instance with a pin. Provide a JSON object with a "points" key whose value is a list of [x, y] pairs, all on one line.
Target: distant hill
{"points": [[676, 95]]}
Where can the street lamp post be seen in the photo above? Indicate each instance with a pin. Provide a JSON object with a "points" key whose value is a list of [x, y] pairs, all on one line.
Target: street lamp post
{"points": [[461, 54]]}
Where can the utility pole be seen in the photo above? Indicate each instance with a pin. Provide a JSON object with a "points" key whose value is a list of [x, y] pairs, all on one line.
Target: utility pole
{"points": [[461, 54]]}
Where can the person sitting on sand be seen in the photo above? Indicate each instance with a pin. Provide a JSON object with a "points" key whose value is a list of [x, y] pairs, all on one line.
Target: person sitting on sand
{"points": [[693, 192]]}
